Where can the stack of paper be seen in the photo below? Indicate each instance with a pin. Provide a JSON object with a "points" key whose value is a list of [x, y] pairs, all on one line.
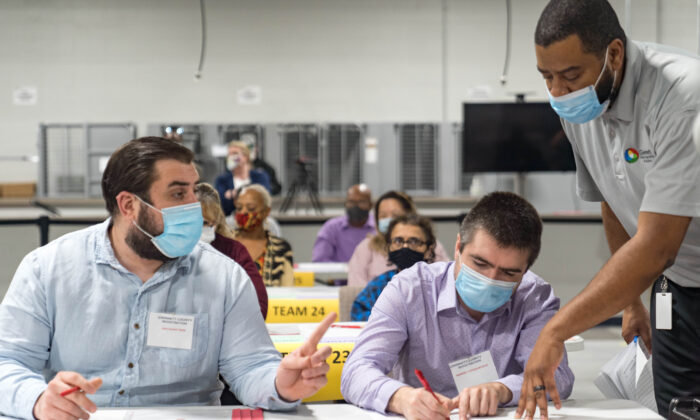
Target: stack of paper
{"points": [[628, 376]]}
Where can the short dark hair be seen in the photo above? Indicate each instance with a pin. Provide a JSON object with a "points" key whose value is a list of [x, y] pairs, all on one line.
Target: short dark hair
{"points": [[510, 219], [132, 167], [423, 223], [404, 199], [593, 21]]}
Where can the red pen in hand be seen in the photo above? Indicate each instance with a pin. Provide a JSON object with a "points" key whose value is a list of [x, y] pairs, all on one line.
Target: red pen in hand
{"points": [[426, 385], [70, 391]]}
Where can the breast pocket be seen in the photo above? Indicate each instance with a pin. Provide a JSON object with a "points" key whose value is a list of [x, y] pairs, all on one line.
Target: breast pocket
{"points": [[183, 357]]}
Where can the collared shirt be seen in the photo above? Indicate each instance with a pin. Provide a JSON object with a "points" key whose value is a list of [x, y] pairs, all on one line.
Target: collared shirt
{"points": [[72, 306], [337, 239], [639, 155], [364, 301], [418, 322]]}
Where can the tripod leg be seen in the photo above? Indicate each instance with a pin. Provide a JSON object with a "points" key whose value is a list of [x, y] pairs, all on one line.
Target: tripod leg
{"points": [[288, 198]]}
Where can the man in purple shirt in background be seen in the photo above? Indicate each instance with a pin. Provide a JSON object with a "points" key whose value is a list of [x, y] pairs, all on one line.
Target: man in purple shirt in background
{"points": [[339, 236], [431, 315]]}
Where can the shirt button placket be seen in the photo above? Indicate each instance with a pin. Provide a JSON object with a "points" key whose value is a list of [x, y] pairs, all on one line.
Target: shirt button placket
{"points": [[133, 352]]}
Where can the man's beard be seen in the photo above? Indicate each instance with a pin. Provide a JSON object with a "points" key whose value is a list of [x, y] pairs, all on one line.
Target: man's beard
{"points": [[140, 243], [605, 89]]}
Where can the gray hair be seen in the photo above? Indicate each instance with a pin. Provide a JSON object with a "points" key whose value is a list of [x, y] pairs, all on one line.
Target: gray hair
{"points": [[262, 191]]}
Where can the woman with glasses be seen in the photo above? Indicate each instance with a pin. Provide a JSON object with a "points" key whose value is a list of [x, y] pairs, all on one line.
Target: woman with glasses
{"points": [[370, 257], [410, 239]]}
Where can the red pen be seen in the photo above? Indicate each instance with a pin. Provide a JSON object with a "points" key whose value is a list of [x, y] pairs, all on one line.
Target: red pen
{"points": [[70, 391], [346, 326], [426, 385]]}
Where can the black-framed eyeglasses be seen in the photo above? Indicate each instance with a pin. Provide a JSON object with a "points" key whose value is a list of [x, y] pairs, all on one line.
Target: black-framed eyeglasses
{"points": [[412, 242]]}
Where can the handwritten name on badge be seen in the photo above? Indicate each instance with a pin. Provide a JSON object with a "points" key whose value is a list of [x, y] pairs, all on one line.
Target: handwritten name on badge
{"points": [[474, 370], [170, 330]]}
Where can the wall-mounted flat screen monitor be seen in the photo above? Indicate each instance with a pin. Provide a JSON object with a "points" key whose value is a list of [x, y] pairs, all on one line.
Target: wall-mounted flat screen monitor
{"points": [[514, 137]]}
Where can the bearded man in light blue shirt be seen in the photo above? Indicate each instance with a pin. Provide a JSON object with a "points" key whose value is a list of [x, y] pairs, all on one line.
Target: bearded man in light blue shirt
{"points": [[140, 306]]}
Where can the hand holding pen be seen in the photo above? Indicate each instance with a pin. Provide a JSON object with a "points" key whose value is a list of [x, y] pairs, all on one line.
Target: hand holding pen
{"points": [[65, 397], [420, 403]]}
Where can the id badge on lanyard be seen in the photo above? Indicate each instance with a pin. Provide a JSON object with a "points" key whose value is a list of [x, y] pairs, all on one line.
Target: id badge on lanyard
{"points": [[664, 307]]}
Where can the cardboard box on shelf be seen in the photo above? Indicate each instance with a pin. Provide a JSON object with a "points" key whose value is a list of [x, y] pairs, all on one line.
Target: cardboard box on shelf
{"points": [[17, 189]]}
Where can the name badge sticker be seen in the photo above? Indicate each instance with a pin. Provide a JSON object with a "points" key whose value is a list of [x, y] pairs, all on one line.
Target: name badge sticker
{"points": [[170, 331], [473, 370]]}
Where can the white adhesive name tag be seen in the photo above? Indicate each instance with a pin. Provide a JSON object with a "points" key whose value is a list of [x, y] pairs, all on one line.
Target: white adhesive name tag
{"points": [[170, 330], [663, 311], [474, 370]]}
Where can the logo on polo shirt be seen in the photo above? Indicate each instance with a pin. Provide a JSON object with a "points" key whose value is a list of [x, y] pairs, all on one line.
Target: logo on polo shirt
{"points": [[631, 155]]}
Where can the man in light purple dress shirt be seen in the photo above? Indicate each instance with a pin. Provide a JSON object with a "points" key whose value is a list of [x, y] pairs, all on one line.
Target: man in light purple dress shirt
{"points": [[339, 236], [421, 320]]}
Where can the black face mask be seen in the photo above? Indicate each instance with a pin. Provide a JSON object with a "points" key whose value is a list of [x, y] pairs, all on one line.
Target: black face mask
{"points": [[356, 214], [405, 257]]}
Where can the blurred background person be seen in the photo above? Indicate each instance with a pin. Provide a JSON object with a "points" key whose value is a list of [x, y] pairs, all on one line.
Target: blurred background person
{"points": [[410, 239], [260, 164], [339, 236], [370, 257], [271, 254], [217, 233], [239, 174]]}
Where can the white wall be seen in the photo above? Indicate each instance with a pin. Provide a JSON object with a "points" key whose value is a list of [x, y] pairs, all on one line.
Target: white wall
{"points": [[332, 60]]}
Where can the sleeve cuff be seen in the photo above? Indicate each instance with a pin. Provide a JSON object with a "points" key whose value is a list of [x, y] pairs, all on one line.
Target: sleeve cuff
{"points": [[275, 402], [28, 393], [515, 384], [590, 195], [386, 391]]}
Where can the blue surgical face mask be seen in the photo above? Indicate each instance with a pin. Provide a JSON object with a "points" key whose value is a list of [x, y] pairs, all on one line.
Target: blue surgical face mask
{"points": [[182, 228], [481, 293], [581, 106], [383, 225]]}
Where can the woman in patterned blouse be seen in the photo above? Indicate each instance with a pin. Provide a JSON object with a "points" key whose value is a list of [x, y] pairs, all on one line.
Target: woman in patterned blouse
{"points": [[272, 254]]}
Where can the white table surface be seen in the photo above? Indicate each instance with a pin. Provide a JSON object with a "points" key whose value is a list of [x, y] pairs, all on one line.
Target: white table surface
{"points": [[572, 410]]}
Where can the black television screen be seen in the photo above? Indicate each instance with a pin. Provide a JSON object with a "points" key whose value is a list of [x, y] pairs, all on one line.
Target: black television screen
{"points": [[514, 137]]}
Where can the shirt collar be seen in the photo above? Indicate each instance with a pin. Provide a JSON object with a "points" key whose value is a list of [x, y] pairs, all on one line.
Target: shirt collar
{"points": [[623, 108], [104, 253], [447, 298]]}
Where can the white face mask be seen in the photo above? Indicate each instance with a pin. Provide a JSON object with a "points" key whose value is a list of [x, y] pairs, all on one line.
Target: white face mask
{"points": [[232, 162], [208, 234]]}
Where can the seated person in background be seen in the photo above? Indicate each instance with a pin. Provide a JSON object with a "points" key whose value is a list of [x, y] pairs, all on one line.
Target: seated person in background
{"points": [[217, 233], [239, 174], [370, 257], [410, 240], [272, 254], [433, 314], [339, 236], [98, 303]]}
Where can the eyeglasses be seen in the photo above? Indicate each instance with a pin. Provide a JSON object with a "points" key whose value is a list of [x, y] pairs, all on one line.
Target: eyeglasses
{"points": [[412, 242]]}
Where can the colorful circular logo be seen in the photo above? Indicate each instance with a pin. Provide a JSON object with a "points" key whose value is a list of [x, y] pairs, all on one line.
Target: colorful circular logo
{"points": [[631, 155]]}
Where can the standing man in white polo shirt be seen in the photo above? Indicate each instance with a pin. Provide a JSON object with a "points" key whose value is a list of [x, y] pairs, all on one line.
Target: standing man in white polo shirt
{"points": [[628, 109]]}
